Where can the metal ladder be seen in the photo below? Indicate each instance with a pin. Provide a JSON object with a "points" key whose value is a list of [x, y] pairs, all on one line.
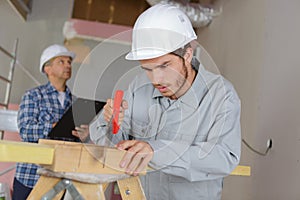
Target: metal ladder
{"points": [[8, 80]]}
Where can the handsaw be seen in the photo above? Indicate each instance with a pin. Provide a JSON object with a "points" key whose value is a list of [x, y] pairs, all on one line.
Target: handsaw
{"points": [[116, 110]]}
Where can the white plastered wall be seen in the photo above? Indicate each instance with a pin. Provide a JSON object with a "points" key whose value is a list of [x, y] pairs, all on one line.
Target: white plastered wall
{"points": [[256, 43]]}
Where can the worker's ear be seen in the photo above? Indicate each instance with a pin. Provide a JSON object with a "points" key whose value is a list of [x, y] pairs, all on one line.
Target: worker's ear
{"points": [[47, 70], [188, 55]]}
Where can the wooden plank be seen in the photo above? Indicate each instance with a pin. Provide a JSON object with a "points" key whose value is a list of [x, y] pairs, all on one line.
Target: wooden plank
{"points": [[62, 156], [88, 158], [242, 171], [113, 158], [131, 189], [11, 151], [55, 142], [66, 158], [90, 191], [78, 158], [92, 157], [85, 158], [43, 185], [86, 190]]}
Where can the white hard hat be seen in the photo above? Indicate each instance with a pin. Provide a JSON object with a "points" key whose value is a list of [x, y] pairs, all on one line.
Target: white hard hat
{"points": [[159, 30], [52, 52]]}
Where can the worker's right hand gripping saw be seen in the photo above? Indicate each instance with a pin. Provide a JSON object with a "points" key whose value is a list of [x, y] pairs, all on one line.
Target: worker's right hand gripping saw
{"points": [[113, 123], [116, 110]]}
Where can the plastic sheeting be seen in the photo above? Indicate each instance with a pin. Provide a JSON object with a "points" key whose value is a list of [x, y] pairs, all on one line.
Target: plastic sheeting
{"points": [[200, 16]]}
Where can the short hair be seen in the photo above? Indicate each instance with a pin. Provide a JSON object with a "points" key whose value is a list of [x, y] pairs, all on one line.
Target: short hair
{"points": [[181, 51]]}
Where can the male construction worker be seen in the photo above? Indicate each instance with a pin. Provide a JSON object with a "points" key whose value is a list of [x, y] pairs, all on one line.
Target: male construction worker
{"points": [[41, 108], [180, 119]]}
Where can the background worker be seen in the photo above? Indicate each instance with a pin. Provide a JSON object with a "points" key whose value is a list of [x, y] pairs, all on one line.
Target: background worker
{"points": [[184, 120], [41, 108]]}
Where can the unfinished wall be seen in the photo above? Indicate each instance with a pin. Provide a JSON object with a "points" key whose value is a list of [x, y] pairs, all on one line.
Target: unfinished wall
{"points": [[256, 45], [43, 27]]}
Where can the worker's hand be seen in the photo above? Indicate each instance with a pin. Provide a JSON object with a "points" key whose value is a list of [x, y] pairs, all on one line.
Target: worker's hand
{"points": [[54, 124], [108, 110], [137, 157], [81, 132]]}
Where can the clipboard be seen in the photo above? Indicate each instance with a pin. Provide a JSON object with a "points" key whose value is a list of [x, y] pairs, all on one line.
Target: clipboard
{"points": [[81, 112]]}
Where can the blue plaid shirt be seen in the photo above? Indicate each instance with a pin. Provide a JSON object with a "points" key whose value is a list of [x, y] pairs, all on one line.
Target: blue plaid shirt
{"points": [[39, 109]]}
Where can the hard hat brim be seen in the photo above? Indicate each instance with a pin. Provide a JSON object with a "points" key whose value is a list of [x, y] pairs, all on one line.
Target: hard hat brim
{"points": [[144, 55], [67, 53]]}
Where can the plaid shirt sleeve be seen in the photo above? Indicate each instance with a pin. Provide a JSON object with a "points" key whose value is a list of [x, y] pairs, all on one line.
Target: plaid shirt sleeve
{"points": [[31, 124]]}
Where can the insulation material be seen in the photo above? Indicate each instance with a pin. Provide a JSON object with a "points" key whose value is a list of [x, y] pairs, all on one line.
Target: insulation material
{"points": [[200, 16]]}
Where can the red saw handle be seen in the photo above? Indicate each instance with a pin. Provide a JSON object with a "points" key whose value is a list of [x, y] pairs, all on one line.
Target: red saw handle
{"points": [[117, 105]]}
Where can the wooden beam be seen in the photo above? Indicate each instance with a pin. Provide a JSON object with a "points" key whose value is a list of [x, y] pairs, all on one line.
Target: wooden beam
{"points": [[85, 158], [131, 189], [26, 152], [44, 184], [242, 171], [61, 156]]}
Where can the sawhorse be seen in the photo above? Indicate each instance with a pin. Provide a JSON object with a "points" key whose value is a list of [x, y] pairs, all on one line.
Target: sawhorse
{"points": [[52, 185], [72, 159]]}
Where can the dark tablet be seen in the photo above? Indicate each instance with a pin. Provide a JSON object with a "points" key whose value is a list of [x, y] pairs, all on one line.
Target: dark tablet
{"points": [[81, 112]]}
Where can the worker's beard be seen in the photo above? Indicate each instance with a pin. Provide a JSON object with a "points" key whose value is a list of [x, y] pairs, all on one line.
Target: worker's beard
{"points": [[180, 84]]}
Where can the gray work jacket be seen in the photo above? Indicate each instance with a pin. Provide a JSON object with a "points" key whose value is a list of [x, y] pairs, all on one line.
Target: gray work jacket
{"points": [[196, 139]]}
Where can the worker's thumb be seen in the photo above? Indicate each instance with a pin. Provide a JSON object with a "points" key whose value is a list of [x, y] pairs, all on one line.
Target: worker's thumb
{"points": [[124, 105]]}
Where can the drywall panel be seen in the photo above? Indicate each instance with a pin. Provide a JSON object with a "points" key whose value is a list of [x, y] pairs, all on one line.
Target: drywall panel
{"points": [[255, 43]]}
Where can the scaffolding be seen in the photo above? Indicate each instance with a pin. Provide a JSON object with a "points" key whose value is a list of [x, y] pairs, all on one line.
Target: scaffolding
{"points": [[5, 114]]}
